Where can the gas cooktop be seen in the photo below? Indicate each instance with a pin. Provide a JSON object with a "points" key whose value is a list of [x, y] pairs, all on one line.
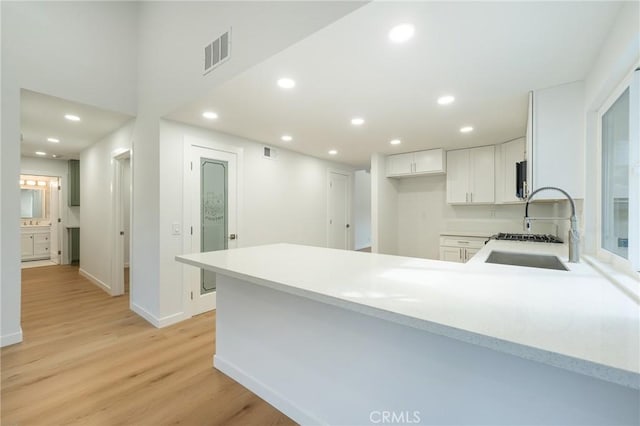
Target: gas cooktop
{"points": [[538, 238]]}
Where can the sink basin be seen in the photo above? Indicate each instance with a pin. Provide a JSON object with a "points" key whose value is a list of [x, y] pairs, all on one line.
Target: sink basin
{"points": [[544, 261]]}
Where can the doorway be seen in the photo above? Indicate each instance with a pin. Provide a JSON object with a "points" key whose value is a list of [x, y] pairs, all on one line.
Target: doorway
{"points": [[339, 210], [121, 223], [211, 211], [40, 220]]}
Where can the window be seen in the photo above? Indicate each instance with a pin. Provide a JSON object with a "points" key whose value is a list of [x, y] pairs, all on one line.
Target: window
{"points": [[620, 176], [615, 177]]}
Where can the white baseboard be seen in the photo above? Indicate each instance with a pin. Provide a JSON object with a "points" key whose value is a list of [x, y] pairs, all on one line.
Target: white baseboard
{"points": [[265, 392], [11, 339], [145, 314], [155, 321], [95, 281]]}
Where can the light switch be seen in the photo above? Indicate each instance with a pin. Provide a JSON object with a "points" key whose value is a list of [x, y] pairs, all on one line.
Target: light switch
{"points": [[175, 229]]}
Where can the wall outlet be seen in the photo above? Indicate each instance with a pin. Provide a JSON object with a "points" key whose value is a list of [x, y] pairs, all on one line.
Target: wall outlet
{"points": [[175, 229]]}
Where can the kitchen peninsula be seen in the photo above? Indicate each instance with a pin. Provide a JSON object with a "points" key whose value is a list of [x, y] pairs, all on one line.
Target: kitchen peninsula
{"points": [[334, 337]]}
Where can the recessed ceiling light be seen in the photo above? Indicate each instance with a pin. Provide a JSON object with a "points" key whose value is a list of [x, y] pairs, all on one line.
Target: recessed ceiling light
{"points": [[286, 138], [333, 152], [286, 83], [466, 129], [40, 153], [357, 121], [72, 117], [54, 140], [395, 142], [446, 100], [210, 115], [401, 33], [54, 156]]}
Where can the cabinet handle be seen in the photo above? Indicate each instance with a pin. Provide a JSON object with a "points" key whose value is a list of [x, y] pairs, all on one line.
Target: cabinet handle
{"points": [[472, 197], [466, 197], [463, 242]]}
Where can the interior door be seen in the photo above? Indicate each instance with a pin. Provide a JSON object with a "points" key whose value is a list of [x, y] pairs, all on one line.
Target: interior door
{"points": [[214, 217], [56, 224], [339, 225]]}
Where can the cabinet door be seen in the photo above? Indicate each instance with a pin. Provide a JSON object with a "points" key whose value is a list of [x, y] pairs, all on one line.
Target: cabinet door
{"points": [[451, 254], [482, 182], [512, 153], [430, 161], [400, 164], [26, 245], [458, 176], [469, 253], [74, 182]]}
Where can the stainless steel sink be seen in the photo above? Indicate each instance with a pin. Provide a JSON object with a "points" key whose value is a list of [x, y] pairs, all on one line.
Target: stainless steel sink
{"points": [[544, 261]]}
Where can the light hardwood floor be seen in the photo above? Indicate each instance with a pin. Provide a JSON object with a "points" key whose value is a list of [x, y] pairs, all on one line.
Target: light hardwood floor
{"points": [[87, 359]]}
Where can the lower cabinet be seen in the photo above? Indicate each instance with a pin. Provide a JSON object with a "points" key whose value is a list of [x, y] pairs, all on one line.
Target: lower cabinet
{"points": [[35, 245], [460, 248]]}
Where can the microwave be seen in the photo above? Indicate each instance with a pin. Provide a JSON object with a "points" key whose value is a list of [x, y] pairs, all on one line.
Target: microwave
{"points": [[521, 179]]}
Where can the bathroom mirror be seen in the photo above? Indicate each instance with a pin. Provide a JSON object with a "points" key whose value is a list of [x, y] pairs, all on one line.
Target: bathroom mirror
{"points": [[32, 203]]}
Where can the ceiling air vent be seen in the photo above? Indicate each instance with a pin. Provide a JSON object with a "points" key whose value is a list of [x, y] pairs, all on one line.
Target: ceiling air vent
{"points": [[217, 51]]}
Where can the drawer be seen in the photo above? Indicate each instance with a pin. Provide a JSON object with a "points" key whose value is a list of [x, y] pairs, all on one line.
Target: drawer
{"points": [[41, 238], [41, 248], [471, 242]]}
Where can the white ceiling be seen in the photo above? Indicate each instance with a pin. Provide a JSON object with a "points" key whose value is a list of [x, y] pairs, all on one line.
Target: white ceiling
{"points": [[488, 55], [42, 117]]}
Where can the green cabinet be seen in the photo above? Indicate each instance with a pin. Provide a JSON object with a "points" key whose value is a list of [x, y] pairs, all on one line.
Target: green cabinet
{"points": [[74, 182]]}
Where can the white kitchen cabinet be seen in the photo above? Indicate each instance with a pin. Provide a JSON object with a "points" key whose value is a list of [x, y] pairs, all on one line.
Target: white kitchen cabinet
{"points": [[35, 243], [471, 176], [460, 248], [418, 163], [555, 140], [507, 155]]}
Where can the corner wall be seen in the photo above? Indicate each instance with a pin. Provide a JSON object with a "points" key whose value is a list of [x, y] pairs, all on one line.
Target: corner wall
{"points": [[384, 208]]}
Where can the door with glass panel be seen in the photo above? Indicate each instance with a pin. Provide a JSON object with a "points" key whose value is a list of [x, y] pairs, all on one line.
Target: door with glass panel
{"points": [[213, 209]]}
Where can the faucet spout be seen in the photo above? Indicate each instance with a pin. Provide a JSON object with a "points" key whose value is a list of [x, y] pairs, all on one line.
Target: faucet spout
{"points": [[574, 235]]}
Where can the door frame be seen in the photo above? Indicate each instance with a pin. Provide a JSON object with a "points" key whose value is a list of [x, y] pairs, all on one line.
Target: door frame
{"points": [[117, 221], [349, 176], [190, 142]]}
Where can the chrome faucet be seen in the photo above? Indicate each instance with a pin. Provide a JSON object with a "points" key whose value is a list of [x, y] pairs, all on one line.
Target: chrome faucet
{"points": [[574, 235]]}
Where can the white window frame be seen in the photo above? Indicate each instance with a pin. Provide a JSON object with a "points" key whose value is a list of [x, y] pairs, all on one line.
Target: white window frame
{"points": [[632, 264]]}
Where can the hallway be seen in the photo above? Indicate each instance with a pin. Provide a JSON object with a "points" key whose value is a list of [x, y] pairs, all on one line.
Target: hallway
{"points": [[87, 359]]}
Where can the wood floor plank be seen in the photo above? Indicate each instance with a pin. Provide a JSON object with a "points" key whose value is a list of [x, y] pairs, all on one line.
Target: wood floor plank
{"points": [[86, 359]]}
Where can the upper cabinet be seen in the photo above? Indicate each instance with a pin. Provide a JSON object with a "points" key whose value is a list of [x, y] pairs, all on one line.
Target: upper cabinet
{"points": [[74, 182], [555, 140], [507, 155], [471, 176], [417, 163]]}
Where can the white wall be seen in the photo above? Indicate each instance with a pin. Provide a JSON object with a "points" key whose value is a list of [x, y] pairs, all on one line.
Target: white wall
{"points": [[70, 215], [82, 51], [618, 55], [97, 205], [172, 36], [284, 199], [423, 213], [384, 208], [362, 209]]}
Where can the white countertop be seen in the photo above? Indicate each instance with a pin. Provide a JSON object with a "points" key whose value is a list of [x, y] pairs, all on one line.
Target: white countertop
{"points": [[576, 320], [466, 234]]}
